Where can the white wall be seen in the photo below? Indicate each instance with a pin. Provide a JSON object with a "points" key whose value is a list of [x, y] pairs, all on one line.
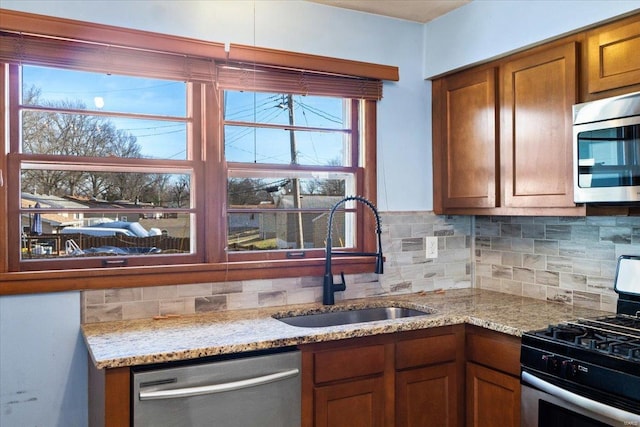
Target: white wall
{"points": [[43, 361], [485, 29]]}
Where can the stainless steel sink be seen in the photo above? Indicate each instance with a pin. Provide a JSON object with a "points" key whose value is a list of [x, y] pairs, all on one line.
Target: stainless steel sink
{"points": [[347, 317]]}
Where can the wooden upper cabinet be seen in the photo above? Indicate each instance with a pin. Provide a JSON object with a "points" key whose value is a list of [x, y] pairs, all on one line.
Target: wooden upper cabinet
{"points": [[464, 146], [537, 94], [613, 58], [502, 131]]}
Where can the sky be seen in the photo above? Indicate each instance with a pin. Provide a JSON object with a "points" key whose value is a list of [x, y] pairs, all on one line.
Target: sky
{"points": [[113, 93]]}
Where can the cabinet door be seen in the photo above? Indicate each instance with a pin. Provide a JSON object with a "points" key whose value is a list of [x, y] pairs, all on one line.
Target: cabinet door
{"points": [[538, 92], [464, 141], [427, 396], [493, 398], [354, 403], [612, 57]]}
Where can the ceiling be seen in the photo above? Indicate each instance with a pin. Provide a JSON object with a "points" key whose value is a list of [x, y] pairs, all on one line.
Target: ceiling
{"points": [[411, 10]]}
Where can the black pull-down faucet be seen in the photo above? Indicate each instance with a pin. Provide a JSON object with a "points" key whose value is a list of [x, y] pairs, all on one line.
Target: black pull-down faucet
{"points": [[328, 287]]}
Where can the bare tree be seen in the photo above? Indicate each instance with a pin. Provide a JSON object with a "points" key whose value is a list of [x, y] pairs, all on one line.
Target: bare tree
{"points": [[311, 186], [84, 135], [333, 187], [248, 191], [180, 190]]}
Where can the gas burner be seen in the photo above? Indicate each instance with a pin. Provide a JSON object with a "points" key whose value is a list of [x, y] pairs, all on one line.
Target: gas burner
{"points": [[590, 339], [629, 350], [568, 333]]}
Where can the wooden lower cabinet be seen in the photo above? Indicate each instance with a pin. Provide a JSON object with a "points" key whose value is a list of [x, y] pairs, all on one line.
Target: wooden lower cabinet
{"points": [[492, 378], [109, 397], [412, 379], [493, 398]]}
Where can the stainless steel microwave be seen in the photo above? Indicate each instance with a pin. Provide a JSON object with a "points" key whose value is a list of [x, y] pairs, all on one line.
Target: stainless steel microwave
{"points": [[606, 147]]}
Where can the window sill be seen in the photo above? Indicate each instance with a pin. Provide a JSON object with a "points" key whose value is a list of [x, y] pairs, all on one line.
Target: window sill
{"points": [[127, 277]]}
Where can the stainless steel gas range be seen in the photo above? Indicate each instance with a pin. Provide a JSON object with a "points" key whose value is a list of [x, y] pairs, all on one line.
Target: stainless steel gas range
{"points": [[586, 373]]}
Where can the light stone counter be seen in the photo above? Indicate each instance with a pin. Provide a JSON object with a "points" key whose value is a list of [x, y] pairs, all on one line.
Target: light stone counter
{"points": [[138, 342]]}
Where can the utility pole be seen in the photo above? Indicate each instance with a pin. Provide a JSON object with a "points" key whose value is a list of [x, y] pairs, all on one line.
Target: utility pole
{"points": [[295, 182]]}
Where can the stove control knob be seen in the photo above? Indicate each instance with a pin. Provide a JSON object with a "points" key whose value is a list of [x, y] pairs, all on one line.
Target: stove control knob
{"points": [[569, 369], [551, 363]]}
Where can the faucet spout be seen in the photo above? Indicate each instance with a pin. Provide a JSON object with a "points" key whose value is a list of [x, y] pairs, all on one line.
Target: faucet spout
{"points": [[328, 286]]}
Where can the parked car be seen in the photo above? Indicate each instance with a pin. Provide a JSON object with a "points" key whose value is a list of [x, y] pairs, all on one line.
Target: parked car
{"points": [[97, 231], [133, 227], [113, 228]]}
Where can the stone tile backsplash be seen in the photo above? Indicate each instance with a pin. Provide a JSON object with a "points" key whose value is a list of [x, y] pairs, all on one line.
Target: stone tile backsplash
{"points": [[406, 270], [564, 259]]}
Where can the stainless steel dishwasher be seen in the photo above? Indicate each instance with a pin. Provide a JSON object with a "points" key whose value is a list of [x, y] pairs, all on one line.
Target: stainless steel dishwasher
{"points": [[254, 390]]}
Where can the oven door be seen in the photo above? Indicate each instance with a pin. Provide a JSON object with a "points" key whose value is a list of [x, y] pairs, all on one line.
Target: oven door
{"points": [[547, 405]]}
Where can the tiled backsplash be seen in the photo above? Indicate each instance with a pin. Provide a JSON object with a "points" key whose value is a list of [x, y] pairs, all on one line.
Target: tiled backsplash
{"points": [[406, 270], [570, 260]]}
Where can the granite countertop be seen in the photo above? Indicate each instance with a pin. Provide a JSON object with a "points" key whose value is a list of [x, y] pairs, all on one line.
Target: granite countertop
{"points": [[138, 342]]}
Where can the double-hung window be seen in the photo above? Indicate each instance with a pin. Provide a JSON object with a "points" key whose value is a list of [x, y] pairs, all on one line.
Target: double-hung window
{"points": [[105, 169], [131, 156], [294, 147], [104, 154]]}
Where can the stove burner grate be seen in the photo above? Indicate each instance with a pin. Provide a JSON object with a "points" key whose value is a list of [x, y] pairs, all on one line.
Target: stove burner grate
{"points": [[617, 336], [630, 350]]}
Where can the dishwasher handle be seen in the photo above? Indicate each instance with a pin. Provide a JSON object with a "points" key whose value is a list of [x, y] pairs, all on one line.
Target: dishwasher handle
{"points": [[217, 388]]}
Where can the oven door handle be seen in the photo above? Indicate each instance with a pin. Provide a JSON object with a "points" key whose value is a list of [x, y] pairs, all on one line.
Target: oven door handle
{"points": [[581, 401]]}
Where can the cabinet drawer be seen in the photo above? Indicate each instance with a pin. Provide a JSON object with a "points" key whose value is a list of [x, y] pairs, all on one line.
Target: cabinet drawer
{"points": [[425, 351], [494, 349], [354, 362]]}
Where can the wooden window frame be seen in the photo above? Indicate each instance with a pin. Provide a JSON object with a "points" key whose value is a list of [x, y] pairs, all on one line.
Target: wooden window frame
{"points": [[193, 163], [214, 266]]}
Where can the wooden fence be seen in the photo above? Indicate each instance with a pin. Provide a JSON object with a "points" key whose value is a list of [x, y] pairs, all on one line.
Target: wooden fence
{"points": [[55, 244]]}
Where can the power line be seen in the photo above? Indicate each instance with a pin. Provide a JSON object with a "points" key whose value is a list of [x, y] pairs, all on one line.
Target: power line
{"points": [[160, 134], [320, 113]]}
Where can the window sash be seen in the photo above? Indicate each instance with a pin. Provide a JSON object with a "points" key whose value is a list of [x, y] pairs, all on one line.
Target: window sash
{"points": [[354, 172], [18, 162]]}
